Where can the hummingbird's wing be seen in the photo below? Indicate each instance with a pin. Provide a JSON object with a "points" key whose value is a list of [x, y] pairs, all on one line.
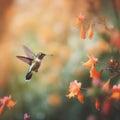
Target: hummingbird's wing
{"points": [[28, 52], [25, 59]]}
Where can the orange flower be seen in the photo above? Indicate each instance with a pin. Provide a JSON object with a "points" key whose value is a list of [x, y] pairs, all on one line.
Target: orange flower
{"points": [[90, 31], [91, 61], [82, 31], [80, 97], [81, 18], [106, 86], [74, 88], [116, 92], [106, 108], [11, 104], [6, 101], [97, 104], [2, 109], [94, 74]]}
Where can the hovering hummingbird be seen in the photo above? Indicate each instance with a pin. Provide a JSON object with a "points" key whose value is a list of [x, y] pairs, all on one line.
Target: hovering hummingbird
{"points": [[34, 61]]}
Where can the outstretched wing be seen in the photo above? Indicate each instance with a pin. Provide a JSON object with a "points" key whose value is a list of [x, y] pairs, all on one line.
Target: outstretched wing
{"points": [[25, 59], [28, 52]]}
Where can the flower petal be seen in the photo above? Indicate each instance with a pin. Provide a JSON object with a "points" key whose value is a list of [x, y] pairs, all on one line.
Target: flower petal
{"points": [[80, 97], [11, 104], [74, 88], [106, 86], [82, 31], [2, 109], [94, 74], [97, 104], [91, 61], [116, 92], [90, 31]]}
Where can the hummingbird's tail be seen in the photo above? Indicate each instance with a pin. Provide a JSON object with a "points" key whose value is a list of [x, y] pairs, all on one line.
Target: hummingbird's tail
{"points": [[29, 75]]}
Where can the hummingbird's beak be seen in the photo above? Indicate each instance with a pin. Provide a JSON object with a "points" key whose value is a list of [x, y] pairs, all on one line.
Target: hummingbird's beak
{"points": [[49, 55]]}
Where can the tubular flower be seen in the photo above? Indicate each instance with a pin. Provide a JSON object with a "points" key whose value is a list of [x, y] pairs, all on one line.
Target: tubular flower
{"points": [[116, 92], [106, 86], [2, 109], [106, 108], [80, 97], [90, 31], [91, 61], [6, 101], [74, 90], [94, 74], [82, 31], [80, 19], [97, 104], [11, 104]]}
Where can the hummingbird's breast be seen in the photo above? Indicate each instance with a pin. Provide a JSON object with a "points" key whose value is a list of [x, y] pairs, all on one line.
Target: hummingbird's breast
{"points": [[36, 65]]}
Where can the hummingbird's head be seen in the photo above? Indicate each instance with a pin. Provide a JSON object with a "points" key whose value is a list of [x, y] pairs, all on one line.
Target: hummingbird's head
{"points": [[41, 55]]}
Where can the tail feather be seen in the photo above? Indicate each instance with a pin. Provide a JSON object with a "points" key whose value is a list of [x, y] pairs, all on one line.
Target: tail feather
{"points": [[29, 75]]}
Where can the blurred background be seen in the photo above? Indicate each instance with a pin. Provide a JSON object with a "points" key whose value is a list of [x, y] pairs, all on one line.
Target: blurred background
{"points": [[47, 26]]}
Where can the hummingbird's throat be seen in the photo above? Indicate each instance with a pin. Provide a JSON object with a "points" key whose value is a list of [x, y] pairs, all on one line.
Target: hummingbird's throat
{"points": [[37, 60]]}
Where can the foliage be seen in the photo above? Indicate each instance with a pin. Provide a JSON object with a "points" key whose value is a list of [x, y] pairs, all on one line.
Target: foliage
{"points": [[72, 31]]}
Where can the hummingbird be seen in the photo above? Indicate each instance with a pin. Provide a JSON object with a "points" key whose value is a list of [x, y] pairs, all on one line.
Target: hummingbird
{"points": [[34, 61]]}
